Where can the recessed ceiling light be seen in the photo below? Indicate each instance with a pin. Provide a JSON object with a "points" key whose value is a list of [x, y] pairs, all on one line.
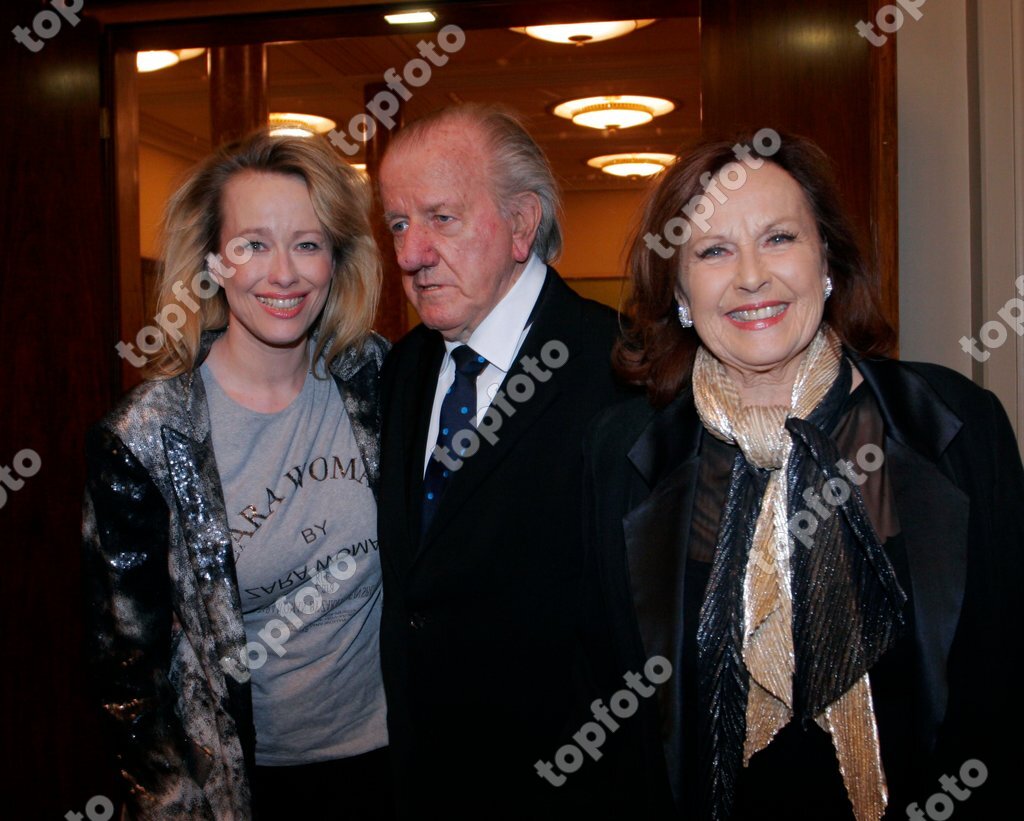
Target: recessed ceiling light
{"points": [[298, 125], [638, 164], [406, 18], [582, 33], [614, 111], [155, 60]]}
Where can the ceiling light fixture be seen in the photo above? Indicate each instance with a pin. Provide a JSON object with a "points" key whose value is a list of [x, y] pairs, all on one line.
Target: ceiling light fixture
{"points": [[581, 33], [147, 61], [298, 125], [640, 164], [407, 18], [613, 111]]}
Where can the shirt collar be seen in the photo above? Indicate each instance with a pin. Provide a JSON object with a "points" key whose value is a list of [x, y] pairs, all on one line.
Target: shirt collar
{"points": [[498, 337]]}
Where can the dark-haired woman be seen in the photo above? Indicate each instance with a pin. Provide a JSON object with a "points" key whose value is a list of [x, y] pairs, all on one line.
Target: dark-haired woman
{"points": [[823, 544]]}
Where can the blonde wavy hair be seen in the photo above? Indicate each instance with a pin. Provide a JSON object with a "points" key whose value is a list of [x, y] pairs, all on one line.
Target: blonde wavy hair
{"points": [[192, 225]]}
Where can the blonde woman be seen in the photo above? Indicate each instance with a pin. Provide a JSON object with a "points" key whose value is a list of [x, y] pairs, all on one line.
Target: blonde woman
{"points": [[230, 556]]}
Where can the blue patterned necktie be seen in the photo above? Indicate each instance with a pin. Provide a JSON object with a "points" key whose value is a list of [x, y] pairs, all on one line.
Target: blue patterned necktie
{"points": [[457, 410]]}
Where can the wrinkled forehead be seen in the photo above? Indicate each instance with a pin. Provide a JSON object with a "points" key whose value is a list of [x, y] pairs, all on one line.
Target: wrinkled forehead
{"points": [[449, 159]]}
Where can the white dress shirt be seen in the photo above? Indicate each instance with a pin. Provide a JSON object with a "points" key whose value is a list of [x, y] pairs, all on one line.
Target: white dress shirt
{"points": [[497, 339]]}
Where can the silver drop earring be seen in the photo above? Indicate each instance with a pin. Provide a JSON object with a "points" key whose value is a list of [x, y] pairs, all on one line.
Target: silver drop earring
{"points": [[828, 287], [684, 317]]}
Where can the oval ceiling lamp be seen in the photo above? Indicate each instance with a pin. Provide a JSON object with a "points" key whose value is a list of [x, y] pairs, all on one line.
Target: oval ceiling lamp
{"points": [[638, 164], [298, 125], [146, 61], [579, 34], [613, 111], [406, 18]]}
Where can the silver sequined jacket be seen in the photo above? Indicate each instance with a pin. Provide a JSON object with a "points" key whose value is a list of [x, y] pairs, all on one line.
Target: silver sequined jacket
{"points": [[162, 600]]}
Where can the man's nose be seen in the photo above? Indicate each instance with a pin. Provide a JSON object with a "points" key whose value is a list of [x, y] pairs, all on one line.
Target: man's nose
{"points": [[415, 249]]}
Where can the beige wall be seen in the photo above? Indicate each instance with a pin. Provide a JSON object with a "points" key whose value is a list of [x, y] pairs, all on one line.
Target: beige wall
{"points": [[960, 186], [597, 226], [159, 174], [934, 185]]}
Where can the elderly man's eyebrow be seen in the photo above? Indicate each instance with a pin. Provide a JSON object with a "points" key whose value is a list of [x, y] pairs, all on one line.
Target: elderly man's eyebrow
{"points": [[432, 208]]}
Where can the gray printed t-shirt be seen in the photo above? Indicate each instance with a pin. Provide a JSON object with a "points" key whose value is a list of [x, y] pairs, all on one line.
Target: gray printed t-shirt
{"points": [[299, 504]]}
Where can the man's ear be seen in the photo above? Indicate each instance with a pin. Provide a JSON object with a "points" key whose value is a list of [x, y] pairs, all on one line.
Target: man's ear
{"points": [[526, 213]]}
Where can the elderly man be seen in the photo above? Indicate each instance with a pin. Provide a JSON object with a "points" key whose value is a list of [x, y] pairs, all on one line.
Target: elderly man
{"points": [[485, 405]]}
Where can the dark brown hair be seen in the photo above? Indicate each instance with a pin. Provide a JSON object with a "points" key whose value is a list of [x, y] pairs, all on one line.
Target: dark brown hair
{"points": [[654, 350]]}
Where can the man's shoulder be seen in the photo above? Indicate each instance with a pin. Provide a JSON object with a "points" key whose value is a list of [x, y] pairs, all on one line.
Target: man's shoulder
{"points": [[562, 291], [566, 309], [411, 346]]}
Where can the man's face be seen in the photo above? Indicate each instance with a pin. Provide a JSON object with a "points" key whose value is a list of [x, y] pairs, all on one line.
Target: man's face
{"points": [[460, 254]]}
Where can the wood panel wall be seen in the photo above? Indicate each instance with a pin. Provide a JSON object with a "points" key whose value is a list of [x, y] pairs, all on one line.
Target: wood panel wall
{"points": [[58, 329], [802, 67], [60, 320]]}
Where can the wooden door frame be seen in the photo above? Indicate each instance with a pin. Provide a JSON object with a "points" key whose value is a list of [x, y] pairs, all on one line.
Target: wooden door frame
{"points": [[131, 27]]}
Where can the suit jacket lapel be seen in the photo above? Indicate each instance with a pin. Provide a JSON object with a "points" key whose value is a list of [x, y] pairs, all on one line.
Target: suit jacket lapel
{"points": [[549, 322], [933, 514], [657, 534], [417, 403]]}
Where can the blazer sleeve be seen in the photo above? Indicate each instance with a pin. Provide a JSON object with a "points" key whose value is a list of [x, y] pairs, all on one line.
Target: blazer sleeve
{"points": [[984, 721], [128, 620]]}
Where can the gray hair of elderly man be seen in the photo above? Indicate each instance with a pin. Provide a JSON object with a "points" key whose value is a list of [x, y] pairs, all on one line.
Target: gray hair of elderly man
{"points": [[518, 165]]}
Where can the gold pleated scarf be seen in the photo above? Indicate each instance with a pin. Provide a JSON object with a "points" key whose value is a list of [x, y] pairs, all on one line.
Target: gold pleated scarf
{"points": [[759, 432]]}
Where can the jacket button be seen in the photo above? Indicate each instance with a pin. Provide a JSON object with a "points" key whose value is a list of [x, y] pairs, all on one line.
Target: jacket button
{"points": [[417, 620]]}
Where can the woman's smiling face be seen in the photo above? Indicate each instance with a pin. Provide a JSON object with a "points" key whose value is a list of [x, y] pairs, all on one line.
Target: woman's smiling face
{"points": [[754, 281], [275, 297]]}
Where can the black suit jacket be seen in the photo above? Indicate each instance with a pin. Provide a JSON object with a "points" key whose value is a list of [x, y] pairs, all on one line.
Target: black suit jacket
{"points": [[479, 641], [958, 487]]}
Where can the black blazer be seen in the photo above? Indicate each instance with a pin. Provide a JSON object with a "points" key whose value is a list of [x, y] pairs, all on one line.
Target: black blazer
{"points": [[959, 488], [479, 639]]}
